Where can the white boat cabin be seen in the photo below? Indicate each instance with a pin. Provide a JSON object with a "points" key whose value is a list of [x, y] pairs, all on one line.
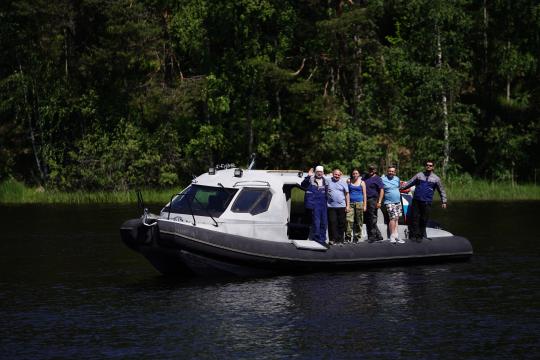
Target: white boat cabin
{"points": [[251, 203]]}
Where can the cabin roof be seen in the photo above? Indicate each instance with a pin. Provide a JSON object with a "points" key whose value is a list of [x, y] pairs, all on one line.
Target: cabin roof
{"points": [[274, 179]]}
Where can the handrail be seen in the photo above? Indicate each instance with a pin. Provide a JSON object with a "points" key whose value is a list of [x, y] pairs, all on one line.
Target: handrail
{"points": [[140, 204], [191, 209], [145, 218], [182, 193], [265, 183]]}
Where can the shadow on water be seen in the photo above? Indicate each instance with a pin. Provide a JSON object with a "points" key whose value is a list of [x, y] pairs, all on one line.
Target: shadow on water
{"points": [[70, 288]]}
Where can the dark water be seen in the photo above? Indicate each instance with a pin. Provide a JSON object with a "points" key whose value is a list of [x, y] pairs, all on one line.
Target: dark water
{"points": [[69, 289]]}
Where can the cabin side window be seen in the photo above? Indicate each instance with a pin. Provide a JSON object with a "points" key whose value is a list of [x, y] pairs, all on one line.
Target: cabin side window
{"points": [[252, 200]]}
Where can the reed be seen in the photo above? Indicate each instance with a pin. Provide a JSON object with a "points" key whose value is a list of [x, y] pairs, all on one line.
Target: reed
{"points": [[490, 190], [14, 192]]}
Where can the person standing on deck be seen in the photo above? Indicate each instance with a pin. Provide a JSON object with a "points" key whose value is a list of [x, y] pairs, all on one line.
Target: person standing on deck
{"points": [[355, 217], [392, 203], [375, 194], [426, 183], [316, 187], [338, 207]]}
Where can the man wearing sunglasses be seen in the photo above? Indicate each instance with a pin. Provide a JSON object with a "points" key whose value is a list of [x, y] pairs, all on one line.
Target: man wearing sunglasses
{"points": [[425, 182]]}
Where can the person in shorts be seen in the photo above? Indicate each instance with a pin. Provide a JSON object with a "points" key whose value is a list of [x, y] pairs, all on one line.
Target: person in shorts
{"points": [[392, 204]]}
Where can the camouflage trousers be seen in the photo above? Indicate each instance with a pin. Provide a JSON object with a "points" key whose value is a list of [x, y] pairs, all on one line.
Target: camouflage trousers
{"points": [[355, 220]]}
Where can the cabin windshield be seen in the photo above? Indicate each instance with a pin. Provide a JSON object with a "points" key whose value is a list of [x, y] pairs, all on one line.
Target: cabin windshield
{"points": [[202, 201]]}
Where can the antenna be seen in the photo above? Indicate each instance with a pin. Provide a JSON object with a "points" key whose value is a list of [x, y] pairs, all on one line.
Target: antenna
{"points": [[140, 201], [251, 165], [140, 204]]}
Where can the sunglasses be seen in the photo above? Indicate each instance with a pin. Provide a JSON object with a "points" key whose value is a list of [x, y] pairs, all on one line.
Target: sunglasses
{"points": [[429, 165]]}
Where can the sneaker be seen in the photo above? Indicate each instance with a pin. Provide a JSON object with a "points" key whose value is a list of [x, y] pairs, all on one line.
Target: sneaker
{"points": [[392, 240], [400, 241]]}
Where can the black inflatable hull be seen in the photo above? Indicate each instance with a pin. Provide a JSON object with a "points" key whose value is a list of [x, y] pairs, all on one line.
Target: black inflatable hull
{"points": [[183, 249]]}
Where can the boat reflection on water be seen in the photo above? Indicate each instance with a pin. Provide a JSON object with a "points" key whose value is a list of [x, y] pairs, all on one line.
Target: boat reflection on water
{"points": [[315, 312]]}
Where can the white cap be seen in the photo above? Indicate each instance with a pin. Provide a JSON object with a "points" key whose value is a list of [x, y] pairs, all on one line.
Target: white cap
{"points": [[319, 168]]}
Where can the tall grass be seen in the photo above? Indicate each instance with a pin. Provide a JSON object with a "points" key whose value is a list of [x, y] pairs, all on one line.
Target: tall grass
{"points": [[490, 190], [15, 192]]}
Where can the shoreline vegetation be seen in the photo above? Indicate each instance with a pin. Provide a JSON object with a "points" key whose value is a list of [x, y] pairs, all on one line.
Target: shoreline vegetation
{"points": [[97, 94], [14, 192]]}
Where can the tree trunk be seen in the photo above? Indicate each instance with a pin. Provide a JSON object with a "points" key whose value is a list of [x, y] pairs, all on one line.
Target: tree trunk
{"points": [[278, 105], [508, 78], [66, 53], [209, 151], [444, 105], [29, 111], [508, 88], [168, 59], [249, 124], [485, 29], [250, 132], [357, 91], [332, 82]]}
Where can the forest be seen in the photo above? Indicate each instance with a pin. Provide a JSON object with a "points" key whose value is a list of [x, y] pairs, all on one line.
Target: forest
{"points": [[123, 94]]}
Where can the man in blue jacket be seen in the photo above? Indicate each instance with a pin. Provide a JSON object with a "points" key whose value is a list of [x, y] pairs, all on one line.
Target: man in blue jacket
{"points": [[425, 183], [315, 199]]}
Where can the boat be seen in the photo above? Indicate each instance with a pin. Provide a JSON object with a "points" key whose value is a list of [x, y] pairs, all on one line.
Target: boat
{"points": [[244, 222]]}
